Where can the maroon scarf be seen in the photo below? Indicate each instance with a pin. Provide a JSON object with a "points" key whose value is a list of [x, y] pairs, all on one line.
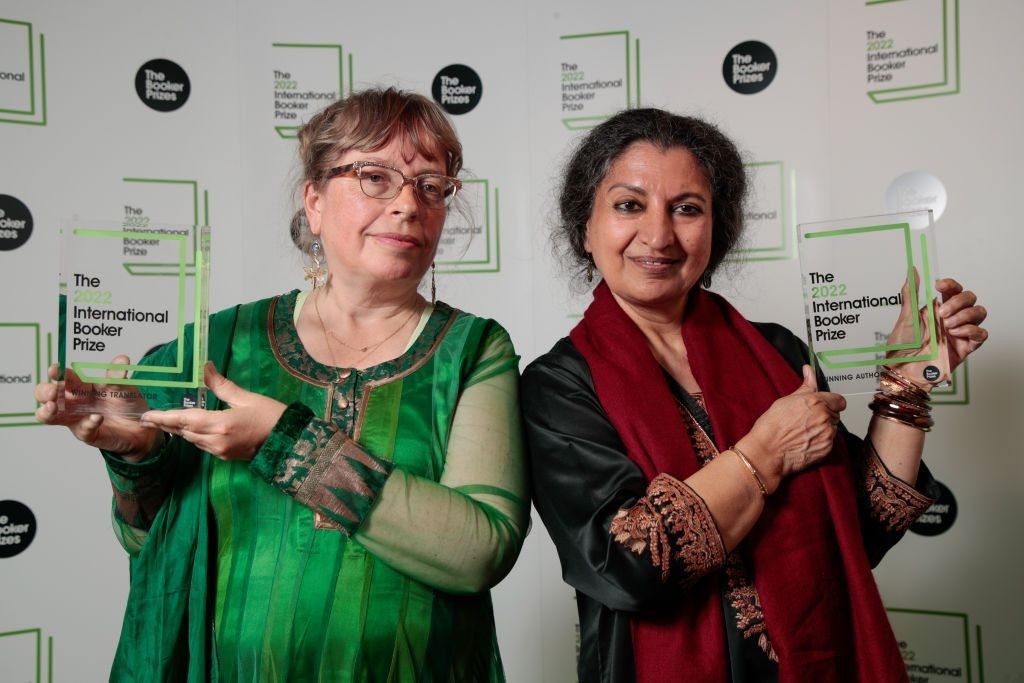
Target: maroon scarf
{"points": [[806, 554]]}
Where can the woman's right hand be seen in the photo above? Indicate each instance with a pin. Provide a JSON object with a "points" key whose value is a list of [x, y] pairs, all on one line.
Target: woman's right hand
{"points": [[113, 433], [794, 433]]}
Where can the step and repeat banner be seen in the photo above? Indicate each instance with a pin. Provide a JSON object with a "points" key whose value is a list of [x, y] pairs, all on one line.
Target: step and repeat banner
{"points": [[186, 114]]}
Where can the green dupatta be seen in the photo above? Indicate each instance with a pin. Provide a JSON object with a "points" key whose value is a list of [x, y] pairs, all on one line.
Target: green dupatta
{"points": [[165, 635]]}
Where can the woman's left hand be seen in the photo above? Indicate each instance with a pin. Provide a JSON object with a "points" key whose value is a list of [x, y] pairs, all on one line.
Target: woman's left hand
{"points": [[232, 434], [962, 317]]}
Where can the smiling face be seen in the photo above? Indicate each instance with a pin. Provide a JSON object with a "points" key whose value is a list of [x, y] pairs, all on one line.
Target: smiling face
{"points": [[376, 242], [650, 228]]}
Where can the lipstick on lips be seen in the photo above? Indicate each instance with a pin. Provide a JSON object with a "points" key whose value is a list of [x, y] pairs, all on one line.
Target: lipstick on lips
{"points": [[655, 264]]}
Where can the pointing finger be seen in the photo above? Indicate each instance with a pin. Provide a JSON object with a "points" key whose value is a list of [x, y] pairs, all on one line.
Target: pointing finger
{"points": [[167, 420]]}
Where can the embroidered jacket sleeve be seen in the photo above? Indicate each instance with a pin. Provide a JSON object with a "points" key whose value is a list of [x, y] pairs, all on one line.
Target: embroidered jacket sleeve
{"points": [[672, 526], [460, 534], [319, 466], [624, 542], [887, 504]]}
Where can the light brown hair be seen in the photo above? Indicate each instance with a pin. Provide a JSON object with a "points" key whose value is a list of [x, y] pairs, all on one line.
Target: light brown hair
{"points": [[367, 121]]}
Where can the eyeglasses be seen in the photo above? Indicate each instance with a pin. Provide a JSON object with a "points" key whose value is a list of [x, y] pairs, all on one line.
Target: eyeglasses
{"points": [[434, 190]]}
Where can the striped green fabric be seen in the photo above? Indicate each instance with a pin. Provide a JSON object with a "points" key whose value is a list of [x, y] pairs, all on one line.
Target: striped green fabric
{"points": [[295, 599]]}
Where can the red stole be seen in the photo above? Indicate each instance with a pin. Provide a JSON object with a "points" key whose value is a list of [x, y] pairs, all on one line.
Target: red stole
{"points": [[822, 608]]}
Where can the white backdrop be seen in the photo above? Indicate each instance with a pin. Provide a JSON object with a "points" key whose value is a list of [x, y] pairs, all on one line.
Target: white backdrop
{"points": [[822, 142]]}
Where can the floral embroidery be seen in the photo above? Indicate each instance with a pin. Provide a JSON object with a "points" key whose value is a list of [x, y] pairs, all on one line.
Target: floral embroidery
{"points": [[892, 502], [303, 457], [702, 444], [672, 523], [739, 589], [742, 595]]}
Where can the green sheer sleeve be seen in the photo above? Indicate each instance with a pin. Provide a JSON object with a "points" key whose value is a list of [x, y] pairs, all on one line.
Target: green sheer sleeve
{"points": [[463, 533], [139, 492], [460, 534]]}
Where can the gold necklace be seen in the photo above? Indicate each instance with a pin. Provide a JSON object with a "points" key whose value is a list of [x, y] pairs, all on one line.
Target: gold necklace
{"points": [[323, 328], [370, 347], [365, 350]]}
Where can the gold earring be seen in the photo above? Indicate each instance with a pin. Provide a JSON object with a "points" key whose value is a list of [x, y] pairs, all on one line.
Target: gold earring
{"points": [[316, 273]]}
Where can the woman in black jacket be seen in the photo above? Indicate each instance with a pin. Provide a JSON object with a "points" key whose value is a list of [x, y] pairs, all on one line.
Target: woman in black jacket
{"points": [[716, 519]]}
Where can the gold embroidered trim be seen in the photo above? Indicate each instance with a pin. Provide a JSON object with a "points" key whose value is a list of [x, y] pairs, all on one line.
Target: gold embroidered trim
{"points": [[892, 502], [742, 595], [335, 470], [739, 589], [703, 446], [416, 365], [674, 526]]}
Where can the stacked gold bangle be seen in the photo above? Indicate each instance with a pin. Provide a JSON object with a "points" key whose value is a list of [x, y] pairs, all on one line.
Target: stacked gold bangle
{"points": [[753, 471], [900, 400]]}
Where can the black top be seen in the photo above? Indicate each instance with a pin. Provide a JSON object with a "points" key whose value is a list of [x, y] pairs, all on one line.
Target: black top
{"points": [[582, 477]]}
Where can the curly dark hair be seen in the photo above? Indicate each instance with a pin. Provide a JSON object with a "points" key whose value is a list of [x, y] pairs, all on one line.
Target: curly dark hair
{"points": [[593, 156]]}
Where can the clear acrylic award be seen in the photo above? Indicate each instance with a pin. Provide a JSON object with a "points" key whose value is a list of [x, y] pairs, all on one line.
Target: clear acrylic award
{"points": [[127, 291], [870, 300]]}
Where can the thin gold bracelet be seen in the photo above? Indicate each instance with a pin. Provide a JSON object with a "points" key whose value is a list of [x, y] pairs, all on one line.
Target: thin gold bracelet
{"points": [[753, 471]]}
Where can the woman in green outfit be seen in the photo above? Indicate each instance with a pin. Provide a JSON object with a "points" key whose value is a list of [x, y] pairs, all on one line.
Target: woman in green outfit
{"points": [[367, 483]]}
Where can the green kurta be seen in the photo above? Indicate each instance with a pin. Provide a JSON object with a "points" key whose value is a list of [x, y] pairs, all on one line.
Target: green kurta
{"points": [[359, 543]]}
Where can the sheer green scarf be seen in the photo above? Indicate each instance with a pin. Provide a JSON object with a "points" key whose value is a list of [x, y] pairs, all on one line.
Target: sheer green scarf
{"points": [[165, 635]]}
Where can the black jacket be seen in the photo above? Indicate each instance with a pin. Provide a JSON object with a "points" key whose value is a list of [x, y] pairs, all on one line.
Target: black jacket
{"points": [[582, 476]]}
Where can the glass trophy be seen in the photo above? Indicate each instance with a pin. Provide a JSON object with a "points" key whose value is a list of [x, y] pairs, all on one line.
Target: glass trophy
{"points": [[870, 300], [132, 292]]}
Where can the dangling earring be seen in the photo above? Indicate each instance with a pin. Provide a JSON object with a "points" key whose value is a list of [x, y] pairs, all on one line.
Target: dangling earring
{"points": [[316, 273], [705, 280], [433, 285], [590, 271]]}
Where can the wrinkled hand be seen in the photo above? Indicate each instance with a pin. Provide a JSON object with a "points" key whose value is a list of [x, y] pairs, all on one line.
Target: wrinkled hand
{"points": [[958, 330], [110, 431], [232, 434], [795, 432], [962, 317]]}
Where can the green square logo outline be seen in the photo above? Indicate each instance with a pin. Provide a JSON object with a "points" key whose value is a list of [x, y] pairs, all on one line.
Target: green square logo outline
{"points": [[782, 252], [588, 122], [182, 275], [488, 264], [39, 374], [31, 70], [824, 357], [39, 647], [874, 94], [292, 132], [938, 613]]}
